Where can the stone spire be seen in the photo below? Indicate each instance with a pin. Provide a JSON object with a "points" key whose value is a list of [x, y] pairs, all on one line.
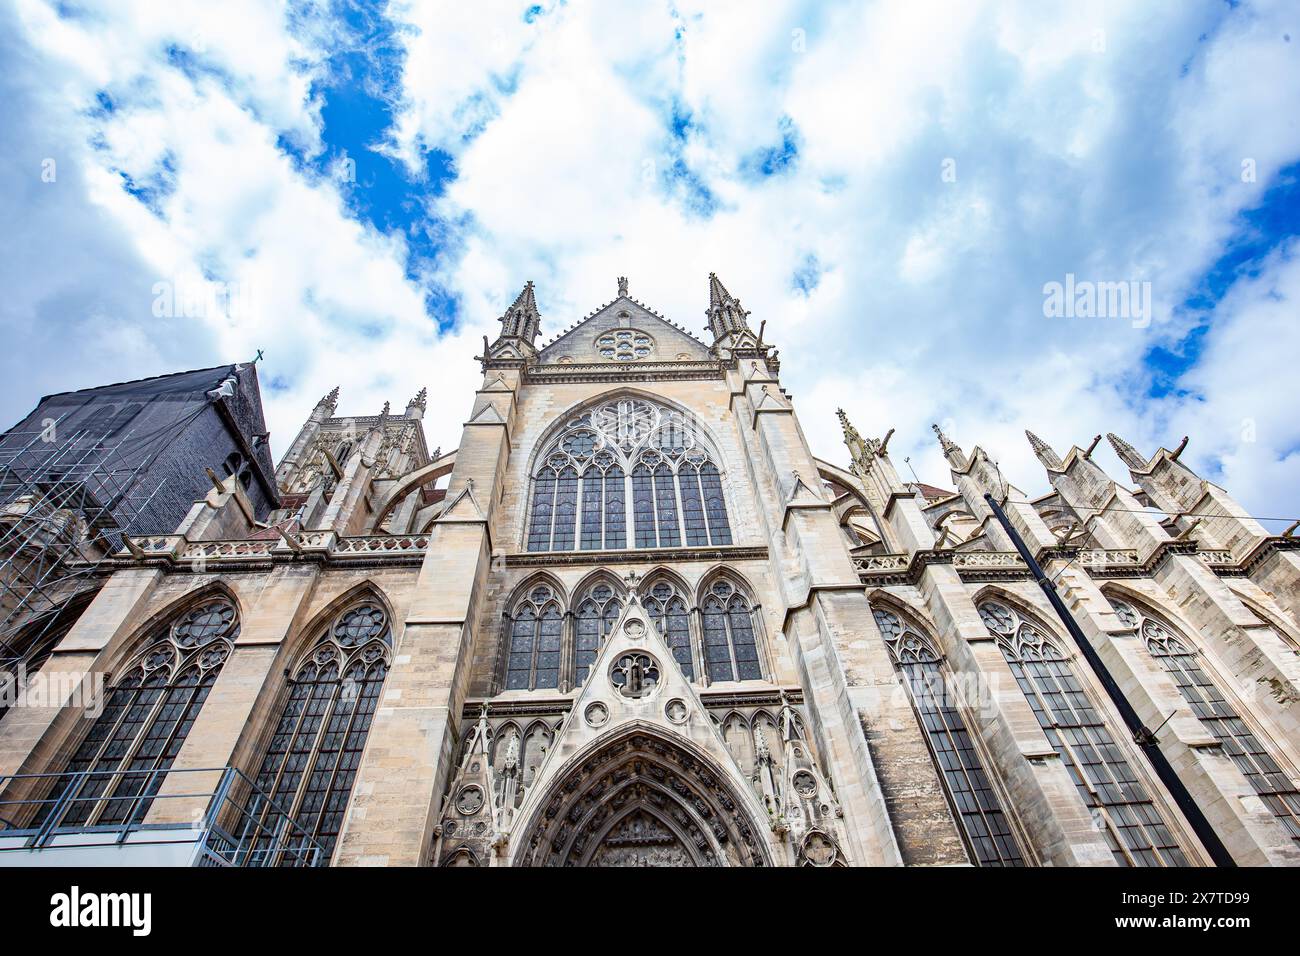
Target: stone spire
{"points": [[1127, 453], [415, 407], [951, 450], [522, 320], [1050, 459], [860, 450], [330, 400], [727, 319]]}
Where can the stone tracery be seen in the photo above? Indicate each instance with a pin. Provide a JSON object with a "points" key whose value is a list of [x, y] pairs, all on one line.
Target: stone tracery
{"points": [[680, 808]]}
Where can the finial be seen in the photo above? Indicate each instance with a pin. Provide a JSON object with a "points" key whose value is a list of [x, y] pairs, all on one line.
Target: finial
{"points": [[622, 285], [951, 450], [1050, 459], [330, 399], [861, 450], [420, 401]]}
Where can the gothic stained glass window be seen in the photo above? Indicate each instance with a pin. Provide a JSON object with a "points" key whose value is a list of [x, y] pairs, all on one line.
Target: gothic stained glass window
{"points": [[147, 715], [597, 612], [1220, 718], [730, 647], [1137, 834], [534, 631], [307, 772], [627, 458], [979, 811], [668, 610]]}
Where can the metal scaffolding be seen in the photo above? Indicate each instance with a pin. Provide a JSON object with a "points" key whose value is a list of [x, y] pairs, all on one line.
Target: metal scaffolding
{"points": [[65, 503]]}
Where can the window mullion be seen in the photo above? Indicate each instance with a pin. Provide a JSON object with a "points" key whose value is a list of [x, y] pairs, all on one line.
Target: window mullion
{"points": [[681, 512], [295, 804], [146, 725], [338, 757]]}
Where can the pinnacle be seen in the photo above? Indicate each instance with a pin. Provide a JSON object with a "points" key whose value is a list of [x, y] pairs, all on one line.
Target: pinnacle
{"points": [[1127, 453], [1044, 452]]}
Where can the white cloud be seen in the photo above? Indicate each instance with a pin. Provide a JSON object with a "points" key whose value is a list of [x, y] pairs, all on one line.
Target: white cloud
{"points": [[1100, 139]]}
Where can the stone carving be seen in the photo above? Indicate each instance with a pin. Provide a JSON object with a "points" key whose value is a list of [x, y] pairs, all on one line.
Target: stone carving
{"points": [[635, 674], [641, 839], [597, 714], [661, 787], [468, 801]]}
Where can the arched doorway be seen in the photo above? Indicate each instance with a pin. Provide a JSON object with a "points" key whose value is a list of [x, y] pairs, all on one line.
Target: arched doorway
{"points": [[642, 800]]}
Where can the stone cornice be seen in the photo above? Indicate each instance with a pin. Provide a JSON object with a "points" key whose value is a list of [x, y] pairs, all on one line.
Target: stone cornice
{"points": [[549, 704], [173, 553], [695, 370]]}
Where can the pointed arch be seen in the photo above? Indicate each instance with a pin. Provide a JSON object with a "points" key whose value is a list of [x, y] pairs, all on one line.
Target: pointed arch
{"points": [[532, 635], [309, 764], [562, 593], [1077, 728], [302, 640], [975, 801], [597, 603], [170, 667], [669, 602], [1249, 747], [730, 626], [626, 469], [158, 618], [690, 811]]}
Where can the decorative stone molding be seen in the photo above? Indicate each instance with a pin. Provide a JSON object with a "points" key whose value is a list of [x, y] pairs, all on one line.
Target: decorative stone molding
{"points": [[173, 552]]}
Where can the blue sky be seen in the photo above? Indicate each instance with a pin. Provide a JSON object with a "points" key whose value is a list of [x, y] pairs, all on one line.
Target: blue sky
{"points": [[889, 185]]}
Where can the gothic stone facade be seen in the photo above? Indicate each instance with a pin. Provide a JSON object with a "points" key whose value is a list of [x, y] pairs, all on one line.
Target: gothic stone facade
{"points": [[633, 620]]}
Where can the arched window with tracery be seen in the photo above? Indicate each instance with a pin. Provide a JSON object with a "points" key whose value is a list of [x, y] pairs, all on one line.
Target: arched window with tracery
{"points": [[1219, 716], [534, 632], [597, 611], [670, 613], [730, 644], [306, 775], [979, 811], [147, 714], [1137, 834], [627, 459]]}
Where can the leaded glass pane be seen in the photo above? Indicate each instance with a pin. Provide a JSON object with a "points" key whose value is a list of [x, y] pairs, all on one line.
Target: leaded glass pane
{"points": [[593, 507], [1220, 718], [979, 811], [310, 764], [668, 611], [566, 510], [715, 504], [643, 508], [1095, 762], [666, 508], [674, 497], [148, 714], [539, 529]]}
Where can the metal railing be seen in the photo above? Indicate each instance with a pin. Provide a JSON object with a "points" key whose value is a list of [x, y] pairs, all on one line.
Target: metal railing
{"points": [[240, 824]]}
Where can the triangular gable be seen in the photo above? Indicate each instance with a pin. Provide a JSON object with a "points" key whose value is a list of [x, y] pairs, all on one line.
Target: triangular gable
{"points": [[464, 507], [671, 343], [487, 415], [608, 706]]}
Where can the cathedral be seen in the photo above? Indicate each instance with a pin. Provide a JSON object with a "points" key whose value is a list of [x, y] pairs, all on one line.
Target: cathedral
{"points": [[633, 620]]}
